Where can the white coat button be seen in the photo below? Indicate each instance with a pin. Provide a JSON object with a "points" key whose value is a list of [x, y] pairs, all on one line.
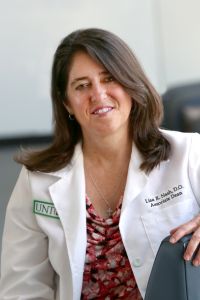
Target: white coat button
{"points": [[137, 262]]}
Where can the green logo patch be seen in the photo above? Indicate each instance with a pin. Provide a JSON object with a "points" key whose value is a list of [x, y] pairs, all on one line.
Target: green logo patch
{"points": [[46, 209]]}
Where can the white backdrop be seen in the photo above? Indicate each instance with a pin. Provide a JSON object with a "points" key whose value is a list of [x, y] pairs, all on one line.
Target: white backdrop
{"points": [[30, 31], [180, 35]]}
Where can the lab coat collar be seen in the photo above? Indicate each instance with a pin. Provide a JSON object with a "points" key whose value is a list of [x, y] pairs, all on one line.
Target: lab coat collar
{"points": [[68, 196], [136, 179], [64, 171]]}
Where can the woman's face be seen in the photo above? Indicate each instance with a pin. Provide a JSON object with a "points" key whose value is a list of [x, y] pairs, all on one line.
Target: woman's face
{"points": [[99, 103]]}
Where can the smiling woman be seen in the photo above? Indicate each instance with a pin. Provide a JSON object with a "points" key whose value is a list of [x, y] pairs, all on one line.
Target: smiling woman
{"points": [[107, 51], [98, 102], [83, 215]]}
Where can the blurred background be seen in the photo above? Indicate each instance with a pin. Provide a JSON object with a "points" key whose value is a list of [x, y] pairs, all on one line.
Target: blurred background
{"points": [[165, 36]]}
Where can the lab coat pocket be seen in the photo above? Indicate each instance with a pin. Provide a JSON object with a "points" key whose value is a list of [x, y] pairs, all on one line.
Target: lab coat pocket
{"points": [[158, 223]]}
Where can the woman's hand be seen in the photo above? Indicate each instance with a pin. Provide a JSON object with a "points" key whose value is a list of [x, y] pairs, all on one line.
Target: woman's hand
{"points": [[192, 226]]}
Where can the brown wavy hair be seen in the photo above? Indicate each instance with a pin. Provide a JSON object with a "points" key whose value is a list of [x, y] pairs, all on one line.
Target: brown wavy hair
{"points": [[117, 58]]}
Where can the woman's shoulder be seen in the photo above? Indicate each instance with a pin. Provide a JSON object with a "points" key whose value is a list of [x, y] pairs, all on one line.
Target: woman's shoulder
{"points": [[178, 137], [183, 142], [60, 172]]}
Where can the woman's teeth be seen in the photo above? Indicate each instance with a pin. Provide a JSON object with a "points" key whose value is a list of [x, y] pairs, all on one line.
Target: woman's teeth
{"points": [[102, 110]]}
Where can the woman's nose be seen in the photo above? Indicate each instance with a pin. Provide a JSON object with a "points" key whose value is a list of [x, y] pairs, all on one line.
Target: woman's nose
{"points": [[98, 93]]}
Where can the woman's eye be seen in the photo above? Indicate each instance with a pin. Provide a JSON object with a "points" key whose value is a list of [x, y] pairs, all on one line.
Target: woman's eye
{"points": [[109, 79], [82, 86]]}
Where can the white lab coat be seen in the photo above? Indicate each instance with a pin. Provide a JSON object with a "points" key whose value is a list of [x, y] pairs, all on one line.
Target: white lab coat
{"points": [[43, 257]]}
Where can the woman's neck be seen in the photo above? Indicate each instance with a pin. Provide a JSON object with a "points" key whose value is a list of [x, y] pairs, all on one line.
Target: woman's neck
{"points": [[106, 151], [106, 164]]}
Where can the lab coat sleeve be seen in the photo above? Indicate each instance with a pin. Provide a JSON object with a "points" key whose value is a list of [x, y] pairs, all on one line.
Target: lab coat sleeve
{"points": [[26, 272], [194, 165]]}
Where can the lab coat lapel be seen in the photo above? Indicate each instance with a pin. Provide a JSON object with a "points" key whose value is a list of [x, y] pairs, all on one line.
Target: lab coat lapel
{"points": [[136, 179], [68, 196], [136, 182]]}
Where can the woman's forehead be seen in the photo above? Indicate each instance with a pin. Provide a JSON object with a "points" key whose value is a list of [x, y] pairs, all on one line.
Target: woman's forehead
{"points": [[82, 64]]}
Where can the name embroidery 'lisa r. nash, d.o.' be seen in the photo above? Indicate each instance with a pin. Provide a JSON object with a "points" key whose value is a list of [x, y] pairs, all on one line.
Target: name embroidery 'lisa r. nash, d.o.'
{"points": [[166, 196]]}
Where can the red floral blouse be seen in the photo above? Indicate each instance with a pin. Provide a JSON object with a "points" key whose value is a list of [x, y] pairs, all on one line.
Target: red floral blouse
{"points": [[107, 274]]}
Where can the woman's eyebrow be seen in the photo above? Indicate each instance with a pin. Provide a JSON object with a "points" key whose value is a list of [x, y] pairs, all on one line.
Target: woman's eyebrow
{"points": [[104, 72], [79, 79]]}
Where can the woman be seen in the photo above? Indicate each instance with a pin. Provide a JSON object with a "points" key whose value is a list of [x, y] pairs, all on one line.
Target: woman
{"points": [[87, 215]]}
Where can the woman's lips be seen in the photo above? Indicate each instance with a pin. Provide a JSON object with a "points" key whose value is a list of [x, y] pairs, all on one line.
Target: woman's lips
{"points": [[102, 110]]}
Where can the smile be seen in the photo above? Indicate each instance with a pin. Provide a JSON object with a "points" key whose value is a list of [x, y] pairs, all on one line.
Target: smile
{"points": [[102, 110]]}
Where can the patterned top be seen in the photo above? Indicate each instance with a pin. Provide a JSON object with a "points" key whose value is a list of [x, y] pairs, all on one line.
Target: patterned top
{"points": [[107, 274]]}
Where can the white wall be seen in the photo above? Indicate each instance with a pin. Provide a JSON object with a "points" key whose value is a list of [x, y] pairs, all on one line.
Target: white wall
{"points": [[180, 38], [165, 35], [30, 32]]}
